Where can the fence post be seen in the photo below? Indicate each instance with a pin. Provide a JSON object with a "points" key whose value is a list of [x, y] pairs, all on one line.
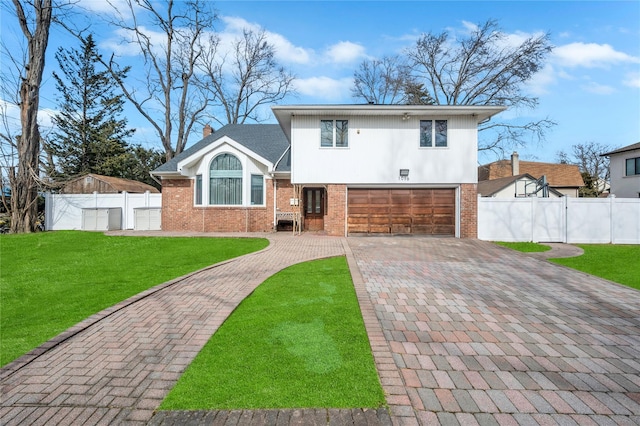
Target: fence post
{"points": [[565, 224], [612, 200], [125, 210], [534, 207], [47, 211]]}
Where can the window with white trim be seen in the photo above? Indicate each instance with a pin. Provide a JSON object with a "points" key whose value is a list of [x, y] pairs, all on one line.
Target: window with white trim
{"points": [[198, 194], [334, 133], [225, 180], [257, 190], [433, 133]]}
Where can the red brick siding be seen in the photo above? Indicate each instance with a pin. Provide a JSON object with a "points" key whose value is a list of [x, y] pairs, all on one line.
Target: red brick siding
{"points": [[335, 217], [284, 196], [468, 210], [179, 213]]}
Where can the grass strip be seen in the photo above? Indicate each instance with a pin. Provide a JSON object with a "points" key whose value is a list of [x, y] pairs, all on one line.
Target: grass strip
{"points": [[50, 281], [298, 341], [525, 247], [619, 263]]}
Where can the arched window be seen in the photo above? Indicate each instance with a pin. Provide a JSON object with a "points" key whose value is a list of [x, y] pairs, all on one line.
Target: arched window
{"points": [[225, 175]]}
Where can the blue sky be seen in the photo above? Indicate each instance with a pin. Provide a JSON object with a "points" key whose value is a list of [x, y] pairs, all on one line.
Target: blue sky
{"points": [[590, 85]]}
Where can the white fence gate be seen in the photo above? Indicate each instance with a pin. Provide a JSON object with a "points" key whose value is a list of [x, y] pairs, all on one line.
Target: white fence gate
{"points": [[567, 220], [64, 211]]}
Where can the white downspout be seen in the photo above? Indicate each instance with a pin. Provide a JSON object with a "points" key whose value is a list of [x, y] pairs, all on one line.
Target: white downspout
{"points": [[275, 200]]}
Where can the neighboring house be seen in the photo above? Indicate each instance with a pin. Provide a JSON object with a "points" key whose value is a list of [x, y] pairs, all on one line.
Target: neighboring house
{"points": [[562, 178], [345, 169], [624, 171], [91, 182], [523, 185]]}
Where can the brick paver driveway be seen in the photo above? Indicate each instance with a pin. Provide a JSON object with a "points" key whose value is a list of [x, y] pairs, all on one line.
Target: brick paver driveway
{"points": [[480, 334]]}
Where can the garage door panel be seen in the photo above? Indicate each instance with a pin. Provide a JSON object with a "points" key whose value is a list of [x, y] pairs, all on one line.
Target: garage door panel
{"points": [[402, 211], [443, 220], [443, 230], [400, 229], [379, 220]]}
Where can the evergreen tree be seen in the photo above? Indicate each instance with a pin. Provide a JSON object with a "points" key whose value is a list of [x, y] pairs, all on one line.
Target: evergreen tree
{"points": [[90, 136], [138, 162]]}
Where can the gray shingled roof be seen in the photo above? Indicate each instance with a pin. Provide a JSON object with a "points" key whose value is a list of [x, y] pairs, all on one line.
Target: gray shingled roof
{"points": [[266, 140], [631, 147]]}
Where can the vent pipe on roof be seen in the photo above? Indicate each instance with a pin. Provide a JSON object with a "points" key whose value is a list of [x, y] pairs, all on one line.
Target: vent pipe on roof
{"points": [[206, 131], [515, 164]]}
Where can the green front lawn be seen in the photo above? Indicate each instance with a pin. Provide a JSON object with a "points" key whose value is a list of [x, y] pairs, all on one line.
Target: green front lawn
{"points": [[298, 341], [619, 263], [50, 281], [524, 247]]}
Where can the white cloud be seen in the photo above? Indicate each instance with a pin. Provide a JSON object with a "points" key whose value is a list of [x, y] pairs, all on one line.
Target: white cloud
{"points": [[470, 26], [105, 6], [345, 52], [123, 43], [325, 87], [598, 89], [590, 55], [632, 80], [286, 51], [11, 114], [539, 83]]}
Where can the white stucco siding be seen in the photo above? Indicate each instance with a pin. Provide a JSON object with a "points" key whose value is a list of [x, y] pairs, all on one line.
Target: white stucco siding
{"points": [[379, 147], [623, 186]]}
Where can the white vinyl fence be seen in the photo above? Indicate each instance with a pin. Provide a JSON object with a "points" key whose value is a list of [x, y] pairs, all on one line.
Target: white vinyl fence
{"points": [[64, 211], [566, 220]]}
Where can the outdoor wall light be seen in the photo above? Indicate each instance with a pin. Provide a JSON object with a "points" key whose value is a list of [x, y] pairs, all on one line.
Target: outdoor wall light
{"points": [[404, 172], [405, 117]]}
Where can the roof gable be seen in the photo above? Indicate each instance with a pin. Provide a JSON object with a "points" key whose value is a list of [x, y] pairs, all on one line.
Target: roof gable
{"points": [[115, 183], [265, 140], [558, 175], [488, 188]]}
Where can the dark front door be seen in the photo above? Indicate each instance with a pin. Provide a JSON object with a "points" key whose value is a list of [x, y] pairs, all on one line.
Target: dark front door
{"points": [[314, 209]]}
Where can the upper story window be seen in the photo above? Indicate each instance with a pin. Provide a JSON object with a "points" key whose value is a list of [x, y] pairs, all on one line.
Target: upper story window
{"points": [[433, 133], [632, 166], [225, 187], [334, 133]]}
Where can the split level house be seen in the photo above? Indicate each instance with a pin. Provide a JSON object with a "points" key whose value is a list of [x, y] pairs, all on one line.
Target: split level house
{"points": [[624, 171], [335, 169], [516, 178]]}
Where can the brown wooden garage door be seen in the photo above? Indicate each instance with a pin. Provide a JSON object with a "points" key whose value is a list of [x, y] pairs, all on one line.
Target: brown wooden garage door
{"points": [[402, 211]]}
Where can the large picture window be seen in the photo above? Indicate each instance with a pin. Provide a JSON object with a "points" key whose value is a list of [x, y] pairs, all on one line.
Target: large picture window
{"points": [[225, 180], [632, 166], [334, 133], [433, 133]]}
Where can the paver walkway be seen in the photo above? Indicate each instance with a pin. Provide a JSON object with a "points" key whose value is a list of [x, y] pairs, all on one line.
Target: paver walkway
{"points": [[481, 334], [117, 370], [462, 331]]}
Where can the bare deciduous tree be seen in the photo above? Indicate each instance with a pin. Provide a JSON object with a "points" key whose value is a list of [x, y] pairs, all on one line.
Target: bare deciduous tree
{"points": [[593, 166], [383, 81], [481, 68], [35, 22], [168, 95], [244, 79]]}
